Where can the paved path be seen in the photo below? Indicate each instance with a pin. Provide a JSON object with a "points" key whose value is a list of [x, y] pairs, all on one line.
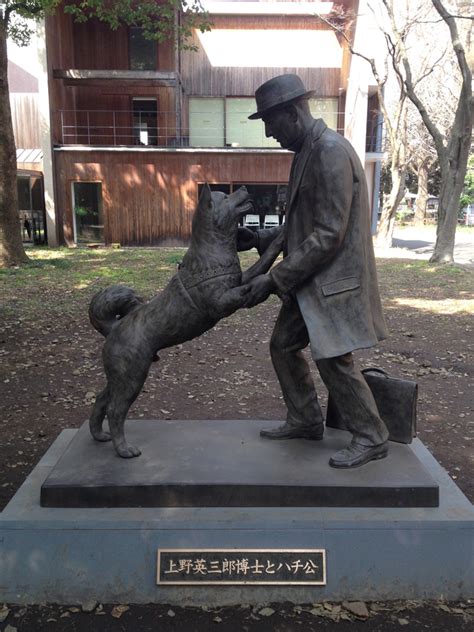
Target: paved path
{"points": [[418, 243]]}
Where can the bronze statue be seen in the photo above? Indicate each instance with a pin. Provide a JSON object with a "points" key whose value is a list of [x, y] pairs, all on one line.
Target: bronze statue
{"points": [[208, 286], [327, 277]]}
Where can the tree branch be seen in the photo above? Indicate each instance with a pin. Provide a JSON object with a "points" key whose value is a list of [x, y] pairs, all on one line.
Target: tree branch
{"points": [[380, 81], [431, 69], [339, 30], [458, 47], [20, 6], [408, 83]]}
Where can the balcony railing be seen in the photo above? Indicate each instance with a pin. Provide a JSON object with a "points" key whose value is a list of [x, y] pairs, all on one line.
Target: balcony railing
{"points": [[162, 129], [120, 127]]}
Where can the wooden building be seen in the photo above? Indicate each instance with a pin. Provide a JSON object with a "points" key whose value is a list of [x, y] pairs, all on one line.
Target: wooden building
{"points": [[24, 92], [137, 127]]}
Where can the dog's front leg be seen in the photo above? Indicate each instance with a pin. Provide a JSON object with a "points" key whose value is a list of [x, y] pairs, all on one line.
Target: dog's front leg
{"points": [[263, 265], [228, 302]]}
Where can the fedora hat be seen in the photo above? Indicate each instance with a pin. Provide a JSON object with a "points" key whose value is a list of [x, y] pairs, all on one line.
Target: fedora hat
{"points": [[278, 92]]}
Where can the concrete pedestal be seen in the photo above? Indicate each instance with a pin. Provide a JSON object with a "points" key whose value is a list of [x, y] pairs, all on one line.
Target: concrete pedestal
{"points": [[70, 555], [227, 464]]}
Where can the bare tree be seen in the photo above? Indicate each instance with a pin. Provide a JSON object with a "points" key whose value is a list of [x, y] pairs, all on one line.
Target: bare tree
{"points": [[410, 28], [422, 160], [452, 148], [396, 137], [393, 105]]}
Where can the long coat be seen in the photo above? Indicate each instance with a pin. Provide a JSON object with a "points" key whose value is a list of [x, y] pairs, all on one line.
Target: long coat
{"points": [[329, 263]]}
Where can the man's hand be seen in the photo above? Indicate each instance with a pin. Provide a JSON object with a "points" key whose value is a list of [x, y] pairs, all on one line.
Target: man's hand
{"points": [[258, 290], [246, 239]]}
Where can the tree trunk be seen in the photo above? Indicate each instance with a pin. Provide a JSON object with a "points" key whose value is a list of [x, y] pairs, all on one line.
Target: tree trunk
{"points": [[11, 246], [387, 220], [422, 194], [453, 166], [452, 182]]}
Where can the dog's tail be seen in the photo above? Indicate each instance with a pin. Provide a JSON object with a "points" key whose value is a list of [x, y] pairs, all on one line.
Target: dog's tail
{"points": [[110, 305]]}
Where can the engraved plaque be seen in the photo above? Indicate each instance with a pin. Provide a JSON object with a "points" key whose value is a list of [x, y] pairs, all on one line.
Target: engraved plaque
{"points": [[244, 566]]}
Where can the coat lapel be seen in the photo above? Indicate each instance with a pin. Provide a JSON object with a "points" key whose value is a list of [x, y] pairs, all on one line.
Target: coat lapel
{"points": [[301, 160]]}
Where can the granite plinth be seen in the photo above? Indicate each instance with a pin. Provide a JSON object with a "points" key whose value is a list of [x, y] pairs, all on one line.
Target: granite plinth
{"points": [[227, 464], [70, 556]]}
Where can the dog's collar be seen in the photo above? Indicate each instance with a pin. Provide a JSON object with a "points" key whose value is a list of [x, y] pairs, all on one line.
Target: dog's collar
{"points": [[190, 279]]}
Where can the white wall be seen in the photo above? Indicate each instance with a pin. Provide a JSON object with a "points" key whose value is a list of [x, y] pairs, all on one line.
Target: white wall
{"points": [[369, 42]]}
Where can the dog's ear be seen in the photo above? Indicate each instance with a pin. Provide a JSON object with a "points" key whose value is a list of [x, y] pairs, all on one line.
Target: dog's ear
{"points": [[205, 199]]}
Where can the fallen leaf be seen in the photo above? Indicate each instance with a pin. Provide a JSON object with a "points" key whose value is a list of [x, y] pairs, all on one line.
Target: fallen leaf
{"points": [[358, 608], [117, 611], [4, 612]]}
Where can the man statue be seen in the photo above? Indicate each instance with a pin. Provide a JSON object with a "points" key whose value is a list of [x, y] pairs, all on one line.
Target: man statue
{"points": [[327, 279]]}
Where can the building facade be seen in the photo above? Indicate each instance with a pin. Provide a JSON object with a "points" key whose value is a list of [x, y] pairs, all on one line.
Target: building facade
{"points": [[24, 95], [137, 127]]}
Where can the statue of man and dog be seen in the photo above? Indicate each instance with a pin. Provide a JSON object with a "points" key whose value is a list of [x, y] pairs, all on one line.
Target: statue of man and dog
{"points": [[327, 282]]}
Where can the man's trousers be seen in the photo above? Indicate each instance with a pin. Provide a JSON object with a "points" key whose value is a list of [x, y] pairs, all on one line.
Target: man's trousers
{"points": [[341, 377]]}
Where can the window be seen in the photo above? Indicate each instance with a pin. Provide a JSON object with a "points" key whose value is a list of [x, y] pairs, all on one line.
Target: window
{"points": [[269, 200], [142, 51], [206, 122], [325, 109], [145, 121], [24, 193], [240, 131], [224, 122], [223, 188]]}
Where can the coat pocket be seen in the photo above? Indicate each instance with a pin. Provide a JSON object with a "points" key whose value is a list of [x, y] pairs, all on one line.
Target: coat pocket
{"points": [[343, 285]]}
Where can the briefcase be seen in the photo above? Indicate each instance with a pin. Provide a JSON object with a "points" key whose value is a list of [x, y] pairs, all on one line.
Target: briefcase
{"points": [[396, 401]]}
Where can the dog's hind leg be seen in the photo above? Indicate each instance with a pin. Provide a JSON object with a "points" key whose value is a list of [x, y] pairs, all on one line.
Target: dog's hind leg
{"points": [[122, 395], [97, 416]]}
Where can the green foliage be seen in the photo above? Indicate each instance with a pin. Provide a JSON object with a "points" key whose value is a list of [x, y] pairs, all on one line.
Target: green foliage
{"points": [[467, 196], [156, 19], [17, 16], [82, 211], [403, 214]]}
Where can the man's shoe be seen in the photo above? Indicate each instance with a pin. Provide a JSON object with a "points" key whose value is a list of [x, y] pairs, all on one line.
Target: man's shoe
{"points": [[291, 431], [356, 455]]}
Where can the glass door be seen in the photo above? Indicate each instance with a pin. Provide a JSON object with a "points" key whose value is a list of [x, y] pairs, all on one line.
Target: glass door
{"points": [[87, 212]]}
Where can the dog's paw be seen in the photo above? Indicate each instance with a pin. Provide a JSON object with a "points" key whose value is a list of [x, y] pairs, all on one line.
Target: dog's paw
{"points": [[102, 436], [127, 451]]}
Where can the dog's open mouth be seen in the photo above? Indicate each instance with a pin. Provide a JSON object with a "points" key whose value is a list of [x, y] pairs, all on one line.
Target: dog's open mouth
{"points": [[245, 207]]}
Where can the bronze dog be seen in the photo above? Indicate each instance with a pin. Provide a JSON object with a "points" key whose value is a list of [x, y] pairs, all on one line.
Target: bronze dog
{"points": [[207, 287]]}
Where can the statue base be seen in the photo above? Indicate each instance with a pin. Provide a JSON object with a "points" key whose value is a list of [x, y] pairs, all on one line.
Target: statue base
{"points": [[73, 555], [227, 464]]}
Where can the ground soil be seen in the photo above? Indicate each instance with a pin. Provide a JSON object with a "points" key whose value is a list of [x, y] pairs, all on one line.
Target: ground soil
{"points": [[410, 616], [51, 370]]}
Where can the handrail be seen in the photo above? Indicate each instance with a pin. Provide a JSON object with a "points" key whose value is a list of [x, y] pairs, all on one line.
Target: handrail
{"points": [[159, 129]]}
